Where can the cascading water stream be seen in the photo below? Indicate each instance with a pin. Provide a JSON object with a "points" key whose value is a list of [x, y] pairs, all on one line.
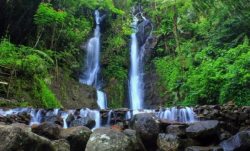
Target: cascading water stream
{"points": [[93, 62], [136, 84]]}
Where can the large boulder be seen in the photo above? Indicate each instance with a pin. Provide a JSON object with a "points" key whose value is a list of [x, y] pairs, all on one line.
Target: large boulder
{"points": [[136, 140], [148, 128], [84, 121], [48, 129], [53, 118], [61, 145], [14, 138], [70, 118], [239, 142], [77, 137], [203, 129], [200, 148], [107, 139], [169, 142]]}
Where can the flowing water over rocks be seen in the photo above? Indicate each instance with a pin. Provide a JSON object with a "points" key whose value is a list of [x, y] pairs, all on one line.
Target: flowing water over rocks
{"points": [[145, 130]]}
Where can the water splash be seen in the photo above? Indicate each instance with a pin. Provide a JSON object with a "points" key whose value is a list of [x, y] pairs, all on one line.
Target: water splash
{"points": [[36, 117]]}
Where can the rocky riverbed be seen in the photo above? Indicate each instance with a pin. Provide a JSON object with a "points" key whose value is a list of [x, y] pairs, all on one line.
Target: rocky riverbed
{"points": [[143, 132]]}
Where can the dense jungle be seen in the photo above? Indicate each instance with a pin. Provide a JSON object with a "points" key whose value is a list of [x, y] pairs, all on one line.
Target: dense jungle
{"points": [[200, 55]]}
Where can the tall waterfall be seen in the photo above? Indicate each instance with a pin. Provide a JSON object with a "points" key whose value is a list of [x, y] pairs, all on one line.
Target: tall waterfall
{"points": [[93, 63], [136, 85]]}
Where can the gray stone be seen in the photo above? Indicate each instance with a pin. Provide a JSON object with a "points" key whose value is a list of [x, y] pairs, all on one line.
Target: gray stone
{"points": [[13, 138], [53, 118], [203, 129], [169, 142], [179, 130], [77, 137], [48, 129], [200, 148], [243, 116], [61, 145], [83, 121], [107, 139], [136, 140], [224, 136], [148, 128], [239, 142]]}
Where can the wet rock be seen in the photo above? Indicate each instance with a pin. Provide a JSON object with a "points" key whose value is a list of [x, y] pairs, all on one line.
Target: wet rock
{"points": [[169, 142], [224, 136], [13, 138], [200, 148], [77, 137], [166, 122], [148, 128], [106, 139], [136, 140], [84, 121], [48, 129], [203, 129], [239, 142], [179, 130], [70, 118], [190, 142], [61, 145], [243, 116], [53, 118]]}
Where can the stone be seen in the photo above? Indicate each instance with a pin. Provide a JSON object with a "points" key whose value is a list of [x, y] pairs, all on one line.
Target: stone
{"points": [[238, 142], [243, 116], [77, 137], [48, 129], [167, 122], [169, 142], [203, 129], [61, 145], [84, 121], [224, 136], [190, 142], [136, 140], [13, 138], [179, 130], [107, 139], [200, 148], [53, 118], [70, 118], [148, 128]]}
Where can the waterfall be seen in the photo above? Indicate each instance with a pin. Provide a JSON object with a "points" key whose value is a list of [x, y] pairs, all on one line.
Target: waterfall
{"points": [[136, 91], [136, 85], [90, 76], [56, 111], [128, 115]]}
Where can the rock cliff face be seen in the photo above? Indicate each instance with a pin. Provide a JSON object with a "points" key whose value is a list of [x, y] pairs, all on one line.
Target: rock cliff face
{"points": [[72, 94]]}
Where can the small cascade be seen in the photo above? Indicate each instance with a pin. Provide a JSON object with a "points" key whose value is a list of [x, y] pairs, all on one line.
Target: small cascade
{"points": [[91, 73], [97, 116], [36, 117], [184, 115], [64, 115], [102, 99], [56, 111], [111, 112], [128, 115]]}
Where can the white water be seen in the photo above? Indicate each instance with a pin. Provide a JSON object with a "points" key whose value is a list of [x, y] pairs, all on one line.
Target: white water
{"points": [[128, 115], [93, 62], [36, 117], [184, 115], [135, 85], [111, 112]]}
